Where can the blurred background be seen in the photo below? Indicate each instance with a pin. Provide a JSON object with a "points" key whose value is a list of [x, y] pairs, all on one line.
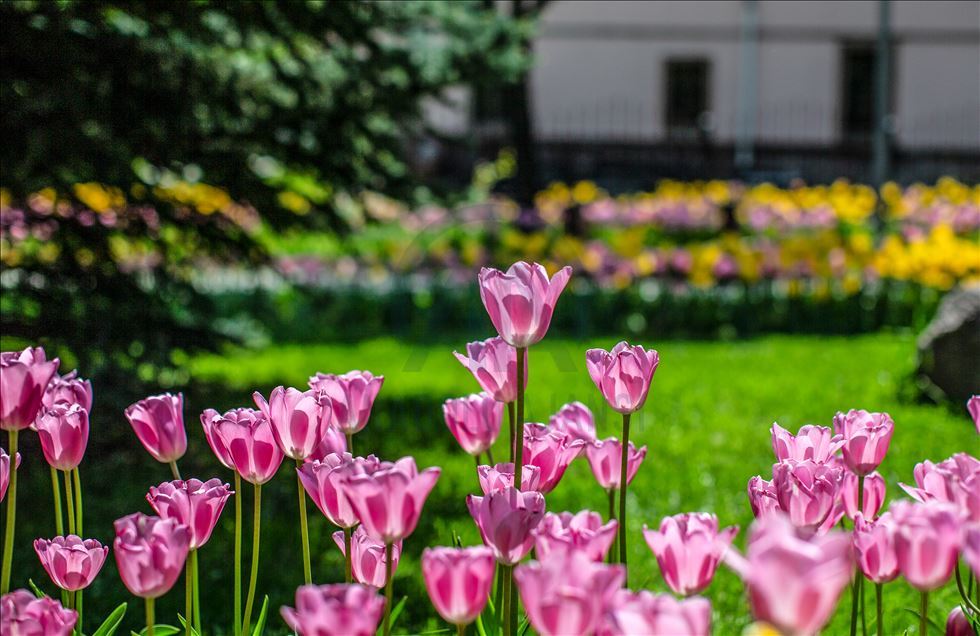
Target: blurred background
{"points": [[215, 197]]}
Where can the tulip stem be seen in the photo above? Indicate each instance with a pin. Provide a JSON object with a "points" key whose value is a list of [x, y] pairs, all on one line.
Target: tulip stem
{"points": [[256, 526], [489, 461], [77, 485], [858, 593], [878, 608], [461, 630], [174, 470], [519, 429], [613, 549], [514, 602], [238, 554], [303, 528], [923, 611], [149, 617], [512, 418], [350, 443], [622, 490], [498, 597], [197, 592], [388, 588], [70, 500], [59, 524], [965, 593], [348, 562], [8, 533], [855, 601], [505, 613], [188, 597]]}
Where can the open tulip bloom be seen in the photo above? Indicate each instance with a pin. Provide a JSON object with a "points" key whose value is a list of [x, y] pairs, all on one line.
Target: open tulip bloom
{"points": [[334, 610], [814, 443], [72, 564], [582, 533], [67, 389], [576, 420], [643, 612], [349, 397], [501, 477], [688, 548], [955, 480], [22, 613]]}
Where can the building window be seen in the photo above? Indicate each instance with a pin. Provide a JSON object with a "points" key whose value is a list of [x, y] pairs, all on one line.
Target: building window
{"points": [[687, 95], [857, 92]]}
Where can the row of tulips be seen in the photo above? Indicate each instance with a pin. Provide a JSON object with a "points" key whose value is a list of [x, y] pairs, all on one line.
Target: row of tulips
{"points": [[795, 568]]}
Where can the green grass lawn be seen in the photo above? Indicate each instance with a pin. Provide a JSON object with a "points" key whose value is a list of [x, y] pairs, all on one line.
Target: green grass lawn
{"points": [[706, 425]]}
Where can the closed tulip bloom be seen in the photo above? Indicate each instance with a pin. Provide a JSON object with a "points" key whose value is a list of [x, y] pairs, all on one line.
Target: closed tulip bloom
{"points": [[72, 563], [474, 421], [688, 548], [927, 541], [23, 614], [806, 491], [332, 441], [24, 376], [493, 363], [971, 547], [958, 624], [335, 610], [501, 477], [150, 553], [368, 557], [582, 532], [576, 420], [762, 497], [955, 480], [794, 581], [567, 594], [350, 396], [506, 519], [63, 432], [209, 422], [68, 388], [296, 420], [623, 375], [973, 406], [326, 484], [648, 614], [389, 501], [250, 444], [605, 458], [866, 438], [159, 424], [874, 545], [458, 581], [552, 451], [874, 494], [815, 443], [193, 503], [521, 301], [5, 472]]}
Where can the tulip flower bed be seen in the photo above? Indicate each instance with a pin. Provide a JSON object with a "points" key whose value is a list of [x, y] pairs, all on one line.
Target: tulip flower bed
{"points": [[697, 415]]}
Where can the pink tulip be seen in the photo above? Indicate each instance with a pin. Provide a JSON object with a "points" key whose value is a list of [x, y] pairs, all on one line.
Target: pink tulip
{"points": [[958, 624], [806, 491], [247, 437], [688, 548], [971, 547], [326, 484], [150, 553], [567, 593], [552, 451], [576, 420], [350, 396], [955, 480], [295, 418], [389, 501], [927, 540], [332, 441], [834, 518], [623, 375], [474, 421], [23, 379], [582, 532], [762, 497], [815, 443], [335, 610], [5, 472], [501, 477], [605, 458], [874, 545], [506, 519], [973, 406], [643, 612], [63, 432], [458, 581], [23, 614], [522, 300], [159, 424], [493, 363], [874, 494], [68, 388], [209, 422], [71, 562], [793, 582], [192, 503], [866, 438], [368, 557]]}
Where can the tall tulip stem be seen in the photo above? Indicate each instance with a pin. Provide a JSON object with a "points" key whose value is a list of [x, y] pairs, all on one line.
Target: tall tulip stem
{"points": [[238, 554], [498, 596], [613, 549], [77, 485], [70, 500], [174, 470], [188, 597], [461, 630], [923, 611], [519, 429], [857, 592], [304, 529], [348, 561], [622, 488], [514, 603], [59, 524], [512, 420], [389, 585], [505, 574], [8, 532], [197, 591], [350, 442], [878, 609], [149, 617], [254, 575]]}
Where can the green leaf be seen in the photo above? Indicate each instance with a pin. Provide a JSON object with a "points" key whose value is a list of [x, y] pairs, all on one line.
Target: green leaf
{"points": [[34, 588], [523, 628], [933, 626], [183, 623], [161, 630], [112, 621], [260, 622], [395, 612]]}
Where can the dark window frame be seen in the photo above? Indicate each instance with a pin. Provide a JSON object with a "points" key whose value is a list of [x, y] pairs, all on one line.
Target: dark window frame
{"points": [[681, 123], [850, 131]]}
